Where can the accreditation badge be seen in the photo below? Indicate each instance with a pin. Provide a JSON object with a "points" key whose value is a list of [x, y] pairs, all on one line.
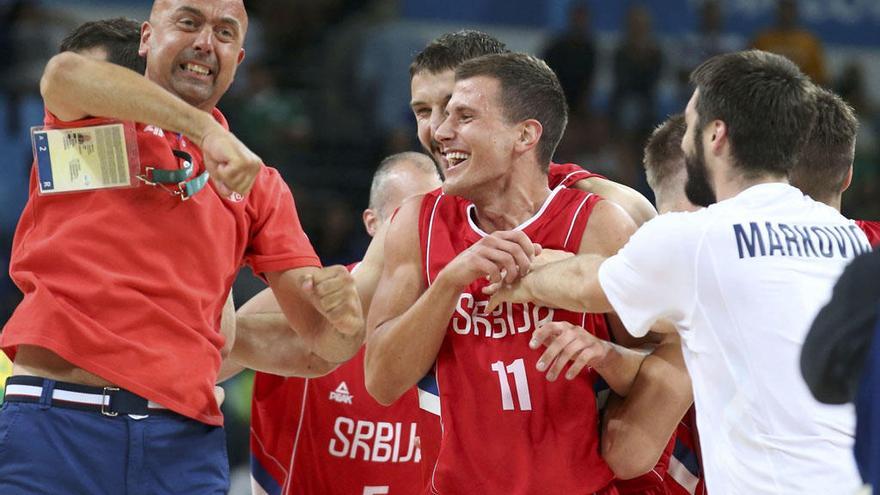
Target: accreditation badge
{"points": [[76, 159]]}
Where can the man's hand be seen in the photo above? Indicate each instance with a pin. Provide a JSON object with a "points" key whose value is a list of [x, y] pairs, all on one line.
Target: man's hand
{"points": [[567, 343], [333, 293], [229, 162], [518, 291], [503, 256]]}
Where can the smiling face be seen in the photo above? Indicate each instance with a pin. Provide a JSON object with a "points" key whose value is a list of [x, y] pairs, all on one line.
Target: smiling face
{"points": [[475, 139], [193, 47], [430, 94]]}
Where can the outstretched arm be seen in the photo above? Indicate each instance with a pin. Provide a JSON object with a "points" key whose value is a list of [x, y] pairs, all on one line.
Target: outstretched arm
{"points": [[74, 86], [633, 203]]}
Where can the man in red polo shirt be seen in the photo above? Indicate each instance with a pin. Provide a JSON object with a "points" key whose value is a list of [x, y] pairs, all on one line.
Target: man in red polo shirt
{"points": [[116, 345]]}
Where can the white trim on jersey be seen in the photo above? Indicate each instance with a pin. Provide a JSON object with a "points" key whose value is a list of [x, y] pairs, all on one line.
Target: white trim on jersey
{"points": [[521, 226], [577, 213], [302, 415], [573, 173], [428, 244], [429, 402], [682, 475]]}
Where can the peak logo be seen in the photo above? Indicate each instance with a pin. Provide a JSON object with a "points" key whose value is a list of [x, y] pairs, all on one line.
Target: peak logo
{"points": [[341, 394], [235, 197]]}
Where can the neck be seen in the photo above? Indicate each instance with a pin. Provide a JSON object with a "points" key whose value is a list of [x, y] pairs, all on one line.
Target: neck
{"points": [[731, 183], [516, 199]]}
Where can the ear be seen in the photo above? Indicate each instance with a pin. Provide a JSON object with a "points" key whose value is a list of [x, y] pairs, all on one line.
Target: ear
{"points": [[529, 136], [240, 56], [848, 180], [146, 32], [371, 221], [717, 136]]}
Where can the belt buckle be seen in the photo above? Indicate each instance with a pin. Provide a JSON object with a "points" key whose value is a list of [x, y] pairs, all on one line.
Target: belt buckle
{"points": [[105, 405]]}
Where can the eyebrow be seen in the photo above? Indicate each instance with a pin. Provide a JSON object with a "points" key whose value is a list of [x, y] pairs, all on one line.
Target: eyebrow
{"points": [[226, 19]]}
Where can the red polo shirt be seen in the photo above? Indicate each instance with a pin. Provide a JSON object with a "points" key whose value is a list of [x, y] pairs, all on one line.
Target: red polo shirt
{"points": [[128, 284]]}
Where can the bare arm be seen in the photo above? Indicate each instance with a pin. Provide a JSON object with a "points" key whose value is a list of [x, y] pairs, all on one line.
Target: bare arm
{"points": [[637, 428], [573, 283], [636, 206], [322, 306], [405, 330], [74, 86], [266, 342]]}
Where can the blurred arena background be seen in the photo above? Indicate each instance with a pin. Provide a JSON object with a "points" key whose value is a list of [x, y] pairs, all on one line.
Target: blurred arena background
{"points": [[324, 90]]}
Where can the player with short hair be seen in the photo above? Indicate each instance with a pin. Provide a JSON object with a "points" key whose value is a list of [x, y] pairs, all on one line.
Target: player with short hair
{"points": [[766, 250], [506, 429], [326, 434], [116, 345], [824, 169], [115, 40]]}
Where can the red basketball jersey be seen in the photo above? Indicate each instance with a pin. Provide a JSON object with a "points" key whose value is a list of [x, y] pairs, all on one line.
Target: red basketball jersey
{"points": [[506, 428], [328, 436], [872, 230]]}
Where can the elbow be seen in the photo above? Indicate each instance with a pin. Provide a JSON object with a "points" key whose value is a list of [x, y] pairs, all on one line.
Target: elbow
{"points": [[627, 467], [628, 463], [58, 74], [377, 383]]}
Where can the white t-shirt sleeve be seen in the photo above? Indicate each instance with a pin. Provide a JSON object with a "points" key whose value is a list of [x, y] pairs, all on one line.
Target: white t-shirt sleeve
{"points": [[652, 277]]}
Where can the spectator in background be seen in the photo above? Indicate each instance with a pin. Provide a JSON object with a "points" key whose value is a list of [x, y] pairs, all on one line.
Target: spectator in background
{"points": [[638, 62], [707, 41], [572, 56], [789, 39]]}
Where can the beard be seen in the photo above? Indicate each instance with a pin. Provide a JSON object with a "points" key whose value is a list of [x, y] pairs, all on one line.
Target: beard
{"points": [[697, 188]]}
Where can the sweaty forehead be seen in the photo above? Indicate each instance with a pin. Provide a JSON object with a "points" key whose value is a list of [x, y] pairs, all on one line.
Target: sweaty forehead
{"points": [[230, 9]]}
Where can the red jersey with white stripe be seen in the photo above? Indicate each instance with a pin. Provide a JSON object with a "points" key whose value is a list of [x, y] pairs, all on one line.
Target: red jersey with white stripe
{"points": [[328, 436], [872, 230], [685, 475], [506, 428]]}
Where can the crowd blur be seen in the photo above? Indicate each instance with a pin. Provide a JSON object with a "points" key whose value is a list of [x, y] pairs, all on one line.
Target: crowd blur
{"points": [[323, 95]]}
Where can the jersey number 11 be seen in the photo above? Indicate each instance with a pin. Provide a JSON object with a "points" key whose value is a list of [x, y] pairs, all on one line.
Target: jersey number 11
{"points": [[518, 370]]}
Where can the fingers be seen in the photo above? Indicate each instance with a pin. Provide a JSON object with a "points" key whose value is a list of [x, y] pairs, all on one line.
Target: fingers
{"points": [[230, 162], [566, 343], [335, 296]]}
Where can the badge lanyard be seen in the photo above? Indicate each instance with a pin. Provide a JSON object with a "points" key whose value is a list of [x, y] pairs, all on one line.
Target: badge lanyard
{"points": [[176, 182]]}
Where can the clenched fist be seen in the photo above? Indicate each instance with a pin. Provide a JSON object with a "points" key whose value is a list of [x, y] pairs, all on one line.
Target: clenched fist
{"points": [[333, 293]]}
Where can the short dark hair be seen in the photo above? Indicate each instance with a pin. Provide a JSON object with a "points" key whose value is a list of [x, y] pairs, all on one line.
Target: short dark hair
{"points": [[119, 36], [529, 90], [829, 151], [451, 49], [664, 156], [767, 103]]}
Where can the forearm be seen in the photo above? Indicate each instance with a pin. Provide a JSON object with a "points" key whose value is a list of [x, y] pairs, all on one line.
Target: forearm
{"points": [[402, 350], [638, 427], [571, 284], [74, 86], [620, 368], [266, 342]]}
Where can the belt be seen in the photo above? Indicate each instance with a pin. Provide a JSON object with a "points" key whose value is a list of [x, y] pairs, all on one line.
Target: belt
{"points": [[109, 401]]}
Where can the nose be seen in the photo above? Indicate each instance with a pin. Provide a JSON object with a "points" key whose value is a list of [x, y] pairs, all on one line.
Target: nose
{"points": [[205, 40], [444, 130]]}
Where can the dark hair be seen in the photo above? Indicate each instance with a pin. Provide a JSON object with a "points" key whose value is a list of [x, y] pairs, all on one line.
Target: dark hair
{"points": [[529, 90], [767, 103], [828, 153], [664, 157], [120, 37], [451, 49]]}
